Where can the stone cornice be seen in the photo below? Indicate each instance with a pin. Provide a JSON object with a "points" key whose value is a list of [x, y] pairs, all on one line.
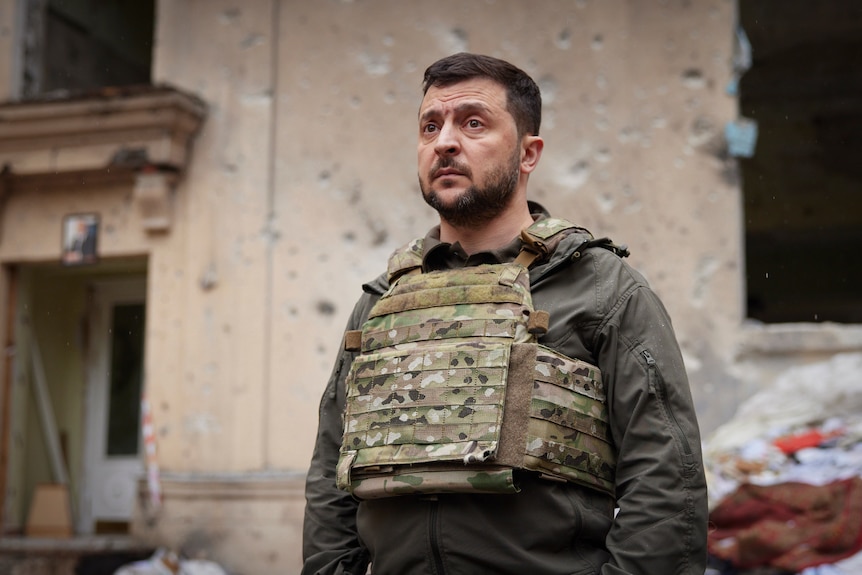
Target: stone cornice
{"points": [[111, 133]]}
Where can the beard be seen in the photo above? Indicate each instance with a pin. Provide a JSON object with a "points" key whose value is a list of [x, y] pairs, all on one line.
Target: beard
{"points": [[475, 206]]}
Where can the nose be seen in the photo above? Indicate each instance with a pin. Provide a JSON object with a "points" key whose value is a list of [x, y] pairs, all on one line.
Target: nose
{"points": [[447, 143]]}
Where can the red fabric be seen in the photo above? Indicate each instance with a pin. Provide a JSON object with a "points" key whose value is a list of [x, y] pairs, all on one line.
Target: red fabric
{"points": [[793, 443], [791, 526]]}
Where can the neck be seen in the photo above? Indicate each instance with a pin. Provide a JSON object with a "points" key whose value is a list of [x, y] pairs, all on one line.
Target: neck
{"points": [[491, 235]]}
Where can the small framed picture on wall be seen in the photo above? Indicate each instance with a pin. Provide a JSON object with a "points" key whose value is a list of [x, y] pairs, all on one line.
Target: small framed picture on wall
{"points": [[80, 239]]}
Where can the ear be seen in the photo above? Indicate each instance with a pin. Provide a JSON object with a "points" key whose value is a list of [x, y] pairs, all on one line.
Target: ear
{"points": [[531, 151]]}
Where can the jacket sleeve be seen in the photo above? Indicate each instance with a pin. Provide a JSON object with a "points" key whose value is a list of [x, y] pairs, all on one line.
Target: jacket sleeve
{"points": [[330, 542], [661, 496]]}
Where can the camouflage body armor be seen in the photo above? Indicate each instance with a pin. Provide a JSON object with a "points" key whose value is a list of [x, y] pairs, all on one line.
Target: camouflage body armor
{"points": [[451, 391]]}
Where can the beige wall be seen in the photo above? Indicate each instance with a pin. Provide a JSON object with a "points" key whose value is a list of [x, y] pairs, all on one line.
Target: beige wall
{"points": [[303, 180], [213, 410], [634, 110]]}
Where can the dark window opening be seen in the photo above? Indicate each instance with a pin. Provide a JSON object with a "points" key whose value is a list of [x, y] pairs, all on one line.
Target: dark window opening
{"points": [[127, 361], [803, 186], [78, 46]]}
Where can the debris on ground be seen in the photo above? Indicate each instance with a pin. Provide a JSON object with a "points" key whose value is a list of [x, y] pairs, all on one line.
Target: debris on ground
{"points": [[785, 476], [168, 562]]}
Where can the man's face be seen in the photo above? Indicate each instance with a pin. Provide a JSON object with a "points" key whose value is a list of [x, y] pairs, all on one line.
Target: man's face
{"points": [[469, 153]]}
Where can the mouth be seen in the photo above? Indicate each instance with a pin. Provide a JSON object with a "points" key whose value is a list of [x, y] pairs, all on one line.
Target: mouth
{"points": [[447, 172]]}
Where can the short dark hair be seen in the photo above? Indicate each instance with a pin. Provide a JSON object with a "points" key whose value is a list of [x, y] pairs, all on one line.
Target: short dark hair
{"points": [[523, 98]]}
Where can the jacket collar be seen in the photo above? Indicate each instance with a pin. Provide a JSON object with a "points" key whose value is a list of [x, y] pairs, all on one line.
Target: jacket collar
{"points": [[437, 255]]}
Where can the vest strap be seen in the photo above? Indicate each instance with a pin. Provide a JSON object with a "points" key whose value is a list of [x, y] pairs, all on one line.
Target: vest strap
{"points": [[533, 249], [353, 340]]}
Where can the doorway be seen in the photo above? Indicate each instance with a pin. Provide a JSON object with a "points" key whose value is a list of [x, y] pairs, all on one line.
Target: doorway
{"points": [[112, 447], [79, 337]]}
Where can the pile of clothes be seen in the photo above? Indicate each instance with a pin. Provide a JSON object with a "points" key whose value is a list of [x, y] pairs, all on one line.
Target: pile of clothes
{"points": [[785, 476]]}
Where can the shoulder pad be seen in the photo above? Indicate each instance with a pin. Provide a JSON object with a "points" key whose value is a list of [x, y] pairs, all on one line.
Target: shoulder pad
{"points": [[544, 229], [405, 259], [542, 238]]}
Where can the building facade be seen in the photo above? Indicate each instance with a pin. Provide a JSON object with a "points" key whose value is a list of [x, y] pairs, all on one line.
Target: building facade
{"points": [[245, 166]]}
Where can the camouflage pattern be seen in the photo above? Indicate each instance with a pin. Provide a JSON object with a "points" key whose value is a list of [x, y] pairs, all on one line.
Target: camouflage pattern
{"points": [[544, 229], [568, 434], [405, 259], [427, 394], [389, 483], [409, 257]]}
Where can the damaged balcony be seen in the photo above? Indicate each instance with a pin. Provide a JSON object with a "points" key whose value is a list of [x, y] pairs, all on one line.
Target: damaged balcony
{"points": [[140, 134]]}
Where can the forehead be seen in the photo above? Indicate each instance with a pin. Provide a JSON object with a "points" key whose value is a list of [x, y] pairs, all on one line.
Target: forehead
{"points": [[481, 91]]}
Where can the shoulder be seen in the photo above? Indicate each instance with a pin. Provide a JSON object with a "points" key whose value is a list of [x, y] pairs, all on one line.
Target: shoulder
{"points": [[594, 268], [371, 292], [576, 244], [377, 286]]}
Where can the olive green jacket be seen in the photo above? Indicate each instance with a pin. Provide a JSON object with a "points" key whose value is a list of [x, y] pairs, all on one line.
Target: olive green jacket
{"points": [[603, 312]]}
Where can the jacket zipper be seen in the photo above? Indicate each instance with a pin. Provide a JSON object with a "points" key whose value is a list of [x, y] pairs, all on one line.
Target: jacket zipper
{"points": [[656, 384], [434, 541]]}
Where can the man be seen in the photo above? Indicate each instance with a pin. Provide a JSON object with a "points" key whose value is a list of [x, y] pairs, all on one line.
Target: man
{"points": [[415, 469]]}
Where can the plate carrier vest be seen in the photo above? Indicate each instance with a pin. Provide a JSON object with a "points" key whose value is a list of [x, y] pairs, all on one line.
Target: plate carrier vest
{"points": [[451, 391]]}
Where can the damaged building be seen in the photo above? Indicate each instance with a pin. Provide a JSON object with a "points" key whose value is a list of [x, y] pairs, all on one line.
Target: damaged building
{"points": [[192, 193]]}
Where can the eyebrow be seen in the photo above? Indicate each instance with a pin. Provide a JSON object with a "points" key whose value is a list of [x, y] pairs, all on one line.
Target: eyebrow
{"points": [[460, 109]]}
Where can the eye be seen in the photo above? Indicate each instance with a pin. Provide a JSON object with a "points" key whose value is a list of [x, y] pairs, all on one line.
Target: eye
{"points": [[474, 123], [429, 128]]}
